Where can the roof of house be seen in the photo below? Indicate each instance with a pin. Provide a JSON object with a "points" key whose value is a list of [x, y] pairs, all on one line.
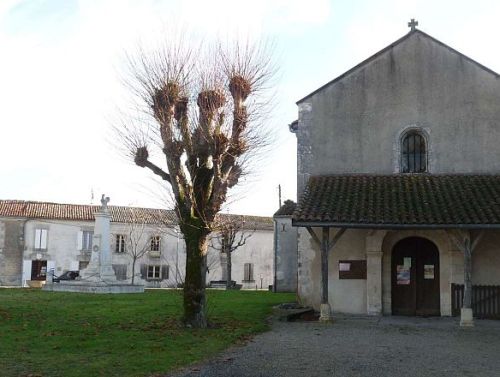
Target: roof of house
{"points": [[392, 45], [400, 201], [119, 214], [286, 209]]}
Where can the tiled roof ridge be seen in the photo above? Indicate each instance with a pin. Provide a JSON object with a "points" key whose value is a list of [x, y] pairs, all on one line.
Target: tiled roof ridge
{"points": [[85, 212], [74, 204], [413, 200], [405, 175]]}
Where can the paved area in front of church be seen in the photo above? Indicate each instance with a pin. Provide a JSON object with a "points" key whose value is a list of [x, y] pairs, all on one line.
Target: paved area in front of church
{"points": [[363, 346]]}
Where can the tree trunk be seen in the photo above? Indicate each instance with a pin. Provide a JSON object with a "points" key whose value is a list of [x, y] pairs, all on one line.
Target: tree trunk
{"points": [[133, 269], [228, 268], [196, 269]]}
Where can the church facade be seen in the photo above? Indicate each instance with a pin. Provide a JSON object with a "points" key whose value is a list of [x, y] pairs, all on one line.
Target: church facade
{"points": [[399, 185]]}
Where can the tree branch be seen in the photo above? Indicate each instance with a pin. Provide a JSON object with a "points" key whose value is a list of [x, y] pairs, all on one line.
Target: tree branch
{"points": [[141, 159]]}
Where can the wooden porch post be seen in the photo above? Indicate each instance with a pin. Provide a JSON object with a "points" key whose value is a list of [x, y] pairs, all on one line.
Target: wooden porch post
{"points": [[325, 309], [466, 243], [325, 245]]}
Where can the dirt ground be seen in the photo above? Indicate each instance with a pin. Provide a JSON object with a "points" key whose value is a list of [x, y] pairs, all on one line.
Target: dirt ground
{"points": [[364, 346]]}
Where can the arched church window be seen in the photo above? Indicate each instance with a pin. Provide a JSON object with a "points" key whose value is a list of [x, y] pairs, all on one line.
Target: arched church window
{"points": [[413, 153]]}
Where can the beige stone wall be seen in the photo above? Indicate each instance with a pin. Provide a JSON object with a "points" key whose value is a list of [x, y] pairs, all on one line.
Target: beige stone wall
{"points": [[345, 296], [485, 261], [360, 296], [309, 271], [11, 236]]}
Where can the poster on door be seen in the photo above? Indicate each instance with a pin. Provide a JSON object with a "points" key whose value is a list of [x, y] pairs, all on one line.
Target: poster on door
{"points": [[403, 275], [428, 271]]}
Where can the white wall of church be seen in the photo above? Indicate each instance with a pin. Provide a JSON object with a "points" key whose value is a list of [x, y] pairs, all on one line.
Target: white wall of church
{"points": [[353, 124], [350, 296]]}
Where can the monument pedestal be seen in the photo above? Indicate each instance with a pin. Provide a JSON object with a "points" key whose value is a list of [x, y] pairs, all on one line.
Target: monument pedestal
{"points": [[99, 276]]}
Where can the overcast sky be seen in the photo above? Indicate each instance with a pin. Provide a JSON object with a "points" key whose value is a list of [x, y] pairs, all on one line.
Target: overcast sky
{"points": [[60, 64]]}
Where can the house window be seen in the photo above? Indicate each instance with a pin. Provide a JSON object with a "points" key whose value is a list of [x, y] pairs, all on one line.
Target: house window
{"points": [[413, 153], [87, 236], [120, 243], [120, 271], [155, 243], [154, 272], [248, 272], [41, 239]]}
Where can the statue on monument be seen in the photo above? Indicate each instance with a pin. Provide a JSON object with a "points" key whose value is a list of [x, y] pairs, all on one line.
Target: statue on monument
{"points": [[104, 202]]}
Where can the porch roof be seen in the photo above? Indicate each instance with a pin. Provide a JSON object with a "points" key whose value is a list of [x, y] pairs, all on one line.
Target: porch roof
{"points": [[400, 201]]}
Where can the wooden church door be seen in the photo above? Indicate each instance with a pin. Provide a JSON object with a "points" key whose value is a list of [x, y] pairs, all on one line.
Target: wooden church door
{"points": [[415, 278]]}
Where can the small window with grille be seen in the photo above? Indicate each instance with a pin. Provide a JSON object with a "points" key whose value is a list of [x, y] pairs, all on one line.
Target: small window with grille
{"points": [[413, 153], [155, 243]]}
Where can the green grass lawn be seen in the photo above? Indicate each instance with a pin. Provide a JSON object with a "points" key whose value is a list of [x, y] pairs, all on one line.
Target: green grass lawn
{"points": [[71, 334]]}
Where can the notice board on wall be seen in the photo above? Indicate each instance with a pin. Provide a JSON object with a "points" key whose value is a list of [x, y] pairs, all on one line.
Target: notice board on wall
{"points": [[352, 269]]}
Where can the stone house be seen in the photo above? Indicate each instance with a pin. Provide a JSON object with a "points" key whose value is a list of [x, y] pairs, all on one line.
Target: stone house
{"points": [[36, 237], [398, 177]]}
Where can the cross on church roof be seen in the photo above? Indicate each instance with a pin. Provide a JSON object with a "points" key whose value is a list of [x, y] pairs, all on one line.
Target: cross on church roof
{"points": [[412, 24]]}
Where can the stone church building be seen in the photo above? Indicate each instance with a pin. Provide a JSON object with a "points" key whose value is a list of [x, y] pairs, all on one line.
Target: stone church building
{"points": [[399, 186]]}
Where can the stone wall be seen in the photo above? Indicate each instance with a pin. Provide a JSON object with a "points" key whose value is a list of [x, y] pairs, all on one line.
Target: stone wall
{"points": [[344, 295], [354, 125], [356, 296], [285, 255], [11, 251]]}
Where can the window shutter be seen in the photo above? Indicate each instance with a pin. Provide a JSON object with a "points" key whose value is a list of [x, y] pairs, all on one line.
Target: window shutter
{"points": [[144, 271], [26, 271], [246, 272], [37, 238], [43, 239], [164, 272], [79, 239], [51, 268]]}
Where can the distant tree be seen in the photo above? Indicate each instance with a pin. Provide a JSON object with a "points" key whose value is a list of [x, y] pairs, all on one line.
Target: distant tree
{"points": [[201, 110], [137, 240], [230, 235]]}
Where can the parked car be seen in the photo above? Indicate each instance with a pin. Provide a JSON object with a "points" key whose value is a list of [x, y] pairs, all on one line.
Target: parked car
{"points": [[68, 275]]}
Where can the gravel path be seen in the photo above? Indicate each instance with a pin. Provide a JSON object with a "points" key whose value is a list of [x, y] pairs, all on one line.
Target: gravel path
{"points": [[364, 346]]}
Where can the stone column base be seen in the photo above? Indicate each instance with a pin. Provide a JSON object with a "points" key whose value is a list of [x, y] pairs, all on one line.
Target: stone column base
{"points": [[466, 317], [325, 313]]}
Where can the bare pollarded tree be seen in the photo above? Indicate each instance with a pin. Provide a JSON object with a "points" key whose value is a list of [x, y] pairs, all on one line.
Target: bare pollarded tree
{"points": [[205, 110], [231, 233]]}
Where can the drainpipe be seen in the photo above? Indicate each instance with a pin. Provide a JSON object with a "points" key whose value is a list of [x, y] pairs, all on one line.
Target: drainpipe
{"points": [[21, 241], [275, 251]]}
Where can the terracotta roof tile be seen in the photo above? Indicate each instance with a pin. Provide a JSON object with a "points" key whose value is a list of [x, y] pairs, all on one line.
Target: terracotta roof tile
{"points": [[415, 200], [120, 214]]}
